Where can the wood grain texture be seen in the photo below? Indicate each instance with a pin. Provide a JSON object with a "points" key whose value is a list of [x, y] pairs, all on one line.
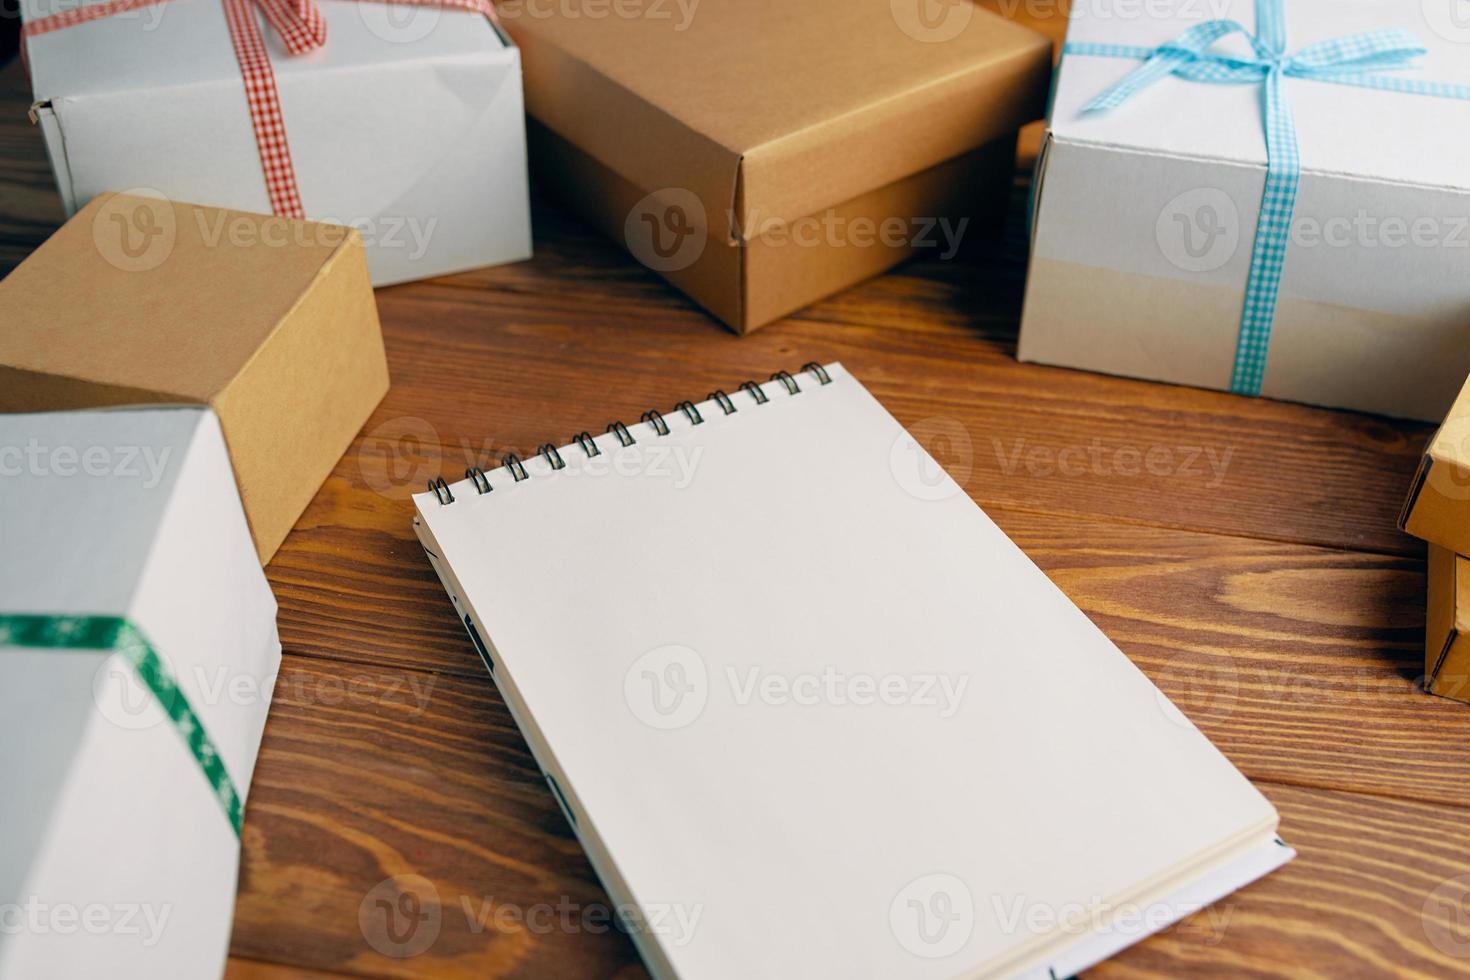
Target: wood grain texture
{"points": [[1242, 552]]}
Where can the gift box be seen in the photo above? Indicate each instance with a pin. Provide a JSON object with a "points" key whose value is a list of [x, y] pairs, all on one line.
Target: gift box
{"points": [[402, 119], [1438, 506], [270, 321], [1173, 240], [762, 154], [138, 652], [1447, 622]]}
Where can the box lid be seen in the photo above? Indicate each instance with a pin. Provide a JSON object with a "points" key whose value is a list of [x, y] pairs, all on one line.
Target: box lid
{"points": [[172, 45], [1341, 130], [133, 278], [767, 110]]}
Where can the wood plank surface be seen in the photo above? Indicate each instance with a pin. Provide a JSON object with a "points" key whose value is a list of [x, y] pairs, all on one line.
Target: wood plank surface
{"points": [[1242, 552]]}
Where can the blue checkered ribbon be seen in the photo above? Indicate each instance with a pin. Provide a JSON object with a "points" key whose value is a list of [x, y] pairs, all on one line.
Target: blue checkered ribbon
{"points": [[1352, 60]]}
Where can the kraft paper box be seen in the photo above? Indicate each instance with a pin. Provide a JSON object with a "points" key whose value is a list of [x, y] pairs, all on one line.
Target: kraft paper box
{"points": [[763, 154], [407, 123], [270, 321], [138, 655], [1146, 214], [1438, 506], [1447, 621]]}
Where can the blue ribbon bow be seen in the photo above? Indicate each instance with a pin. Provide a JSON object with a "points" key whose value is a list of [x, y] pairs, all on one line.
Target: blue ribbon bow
{"points": [[1352, 60]]}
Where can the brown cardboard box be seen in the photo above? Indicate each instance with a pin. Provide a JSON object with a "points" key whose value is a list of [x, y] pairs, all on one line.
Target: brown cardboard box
{"points": [[1447, 625], [270, 321], [762, 154], [1438, 508]]}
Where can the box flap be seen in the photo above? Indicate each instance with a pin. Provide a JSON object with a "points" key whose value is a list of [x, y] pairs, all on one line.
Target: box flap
{"points": [[767, 110], [1449, 449]]}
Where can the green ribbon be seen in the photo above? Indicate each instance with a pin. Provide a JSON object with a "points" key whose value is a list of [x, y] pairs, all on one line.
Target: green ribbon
{"points": [[115, 634]]}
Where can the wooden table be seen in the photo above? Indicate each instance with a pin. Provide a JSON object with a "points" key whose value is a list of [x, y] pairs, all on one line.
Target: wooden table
{"points": [[1241, 551]]}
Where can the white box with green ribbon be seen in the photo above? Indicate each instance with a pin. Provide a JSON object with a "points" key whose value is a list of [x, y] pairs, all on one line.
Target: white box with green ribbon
{"points": [[138, 653], [1177, 124]]}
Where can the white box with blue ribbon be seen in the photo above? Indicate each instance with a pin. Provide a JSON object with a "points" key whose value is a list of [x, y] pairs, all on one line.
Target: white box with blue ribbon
{"points": [[1270, 197], [138, 655]]}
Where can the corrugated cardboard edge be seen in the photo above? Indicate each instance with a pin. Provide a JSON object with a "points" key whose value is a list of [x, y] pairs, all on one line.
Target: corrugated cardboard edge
{"points": [[1429, 513], [53, 137], [1447, 625]]}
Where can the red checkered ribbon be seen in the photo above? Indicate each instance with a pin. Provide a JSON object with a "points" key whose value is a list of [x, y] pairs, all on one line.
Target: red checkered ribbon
{"points": [[301, 28]]}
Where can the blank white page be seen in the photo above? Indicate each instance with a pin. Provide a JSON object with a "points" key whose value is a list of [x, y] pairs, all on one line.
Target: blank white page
{"points": [[813, 711]]}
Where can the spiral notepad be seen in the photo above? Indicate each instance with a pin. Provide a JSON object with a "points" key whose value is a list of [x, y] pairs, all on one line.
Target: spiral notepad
{"points": [[811, 713]]}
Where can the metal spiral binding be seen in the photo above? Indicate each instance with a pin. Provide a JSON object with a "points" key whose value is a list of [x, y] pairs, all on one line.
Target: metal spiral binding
{"points": [[653, 418], [517, 469], [787, 381], [625, 438], [755, 392], [588, 444]]}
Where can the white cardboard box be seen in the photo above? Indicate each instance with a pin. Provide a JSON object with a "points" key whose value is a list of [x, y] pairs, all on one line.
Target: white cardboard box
{"points": [[1146, 216], [408, 124], [117, 858]]}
